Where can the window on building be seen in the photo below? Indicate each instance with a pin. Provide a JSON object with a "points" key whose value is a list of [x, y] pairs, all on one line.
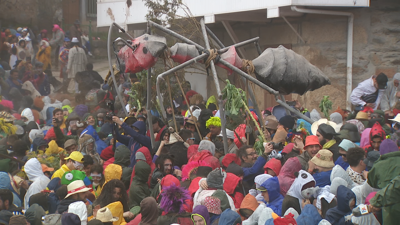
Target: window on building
{"points": [[91, 9]]}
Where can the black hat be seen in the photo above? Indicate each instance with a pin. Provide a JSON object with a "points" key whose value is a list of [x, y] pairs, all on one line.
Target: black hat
{"points": [[327, 131], [351, 131], [287, 121], [382, 80]]}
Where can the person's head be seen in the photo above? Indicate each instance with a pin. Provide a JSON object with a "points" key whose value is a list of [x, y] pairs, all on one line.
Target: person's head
{"points": [[323, 161], [187, 136], [380, 81], [214, 124], [14, 74], [77, 23], [77, 191], [169, 110], [89, 67], [287, 122], [75, 161], [157, 124], [6, 199], [75, 42], [70, 146], [22, 43], [114, 190], [38, 67], [96, 172], [166, 164], [190, 124], [198, 220], [19, 219], [355, 158], [67, 42], [312, 145], [376, 142], [344, 146], [90, 120], [87, 164], [20, 148], [325, 133], [247, 154], [58, 114]]}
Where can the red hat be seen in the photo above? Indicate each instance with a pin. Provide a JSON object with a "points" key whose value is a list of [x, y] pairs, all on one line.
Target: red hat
{"points": [[288, 148], [229, 158], [273, 164], [312, 140], [169, 180], [367, 109]]}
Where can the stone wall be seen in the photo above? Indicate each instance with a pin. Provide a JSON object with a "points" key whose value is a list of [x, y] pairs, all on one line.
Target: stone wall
{"points": [[376, 45], [37, 14]]}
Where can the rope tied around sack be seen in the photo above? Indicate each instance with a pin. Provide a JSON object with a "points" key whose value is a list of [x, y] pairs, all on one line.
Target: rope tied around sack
{"points": [[247, 66], [212, 55]]}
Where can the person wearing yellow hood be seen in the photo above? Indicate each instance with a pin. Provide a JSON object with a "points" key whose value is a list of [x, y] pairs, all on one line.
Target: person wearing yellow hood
{"points": [[112, 171]]}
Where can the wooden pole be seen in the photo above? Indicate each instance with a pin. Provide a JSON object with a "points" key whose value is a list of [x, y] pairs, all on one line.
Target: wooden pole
{"points": [[172, 105]]}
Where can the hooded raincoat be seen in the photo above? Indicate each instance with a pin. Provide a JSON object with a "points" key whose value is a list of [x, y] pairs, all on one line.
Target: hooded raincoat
{"points": [[336, 215], [230, 185], [139, 188], [309, 216], [33, 170], [249, 202], [275, 197], [202, 211], [286, 176], [229, 217], [121, 156], [149, 161], [294, 197], [100, 144]]}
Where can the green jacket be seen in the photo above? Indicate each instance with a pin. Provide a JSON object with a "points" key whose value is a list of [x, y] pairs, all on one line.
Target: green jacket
{"points": [[384, 170], [139, 189], [388, 199], [122, 158]]}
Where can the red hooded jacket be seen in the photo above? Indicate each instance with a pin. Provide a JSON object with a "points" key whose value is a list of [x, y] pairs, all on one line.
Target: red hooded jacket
{"points": [[207, 157], [376, 131], [230, 184], [273, 164], [149, 161]]}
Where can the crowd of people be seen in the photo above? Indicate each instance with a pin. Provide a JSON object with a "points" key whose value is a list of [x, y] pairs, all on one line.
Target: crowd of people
{"points": [[89, 163]]}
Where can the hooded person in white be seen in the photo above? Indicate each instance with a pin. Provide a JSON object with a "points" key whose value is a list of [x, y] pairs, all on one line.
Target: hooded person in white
{"points": [[260, 179], [362, 191], [33, 170], [254, 218], [303, 178], [390, 98], [265, 215], [27, 113], [79, 208], [33, 92]]}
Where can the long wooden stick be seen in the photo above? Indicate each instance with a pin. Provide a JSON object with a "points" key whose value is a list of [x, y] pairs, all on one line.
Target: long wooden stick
{"points": [[172, 105], [184, 96], [254, 120]]}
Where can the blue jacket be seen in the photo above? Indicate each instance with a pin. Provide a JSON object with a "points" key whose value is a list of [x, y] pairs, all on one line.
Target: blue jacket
{"points": [[100, 144], [134, 140], [5, 183], [53, 199], [342, 163], [229, 217], [275, 197], [336, 215], [309, 216], [251, 172], [322, 178]]}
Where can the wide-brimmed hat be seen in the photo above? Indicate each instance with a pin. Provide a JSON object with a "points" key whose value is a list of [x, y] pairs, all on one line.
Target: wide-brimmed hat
{"points": [[105, 215], [69, 143], [352, 132], [77, 187], [362, 116], [316, 124], [75, 40], [271, 124], [396, 119], [324, 158]]}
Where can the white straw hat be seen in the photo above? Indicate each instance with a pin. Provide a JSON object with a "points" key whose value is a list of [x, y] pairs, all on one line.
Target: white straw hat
{"points": [[105, 215], [76, 187]]}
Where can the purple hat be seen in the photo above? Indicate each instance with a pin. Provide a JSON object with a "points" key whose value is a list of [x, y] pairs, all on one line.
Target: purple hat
{"points": [[388, 146]]}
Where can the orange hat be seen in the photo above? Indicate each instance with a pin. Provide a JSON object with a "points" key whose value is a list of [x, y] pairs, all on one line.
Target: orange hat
{"points": [[45, 168], [312, 140]]}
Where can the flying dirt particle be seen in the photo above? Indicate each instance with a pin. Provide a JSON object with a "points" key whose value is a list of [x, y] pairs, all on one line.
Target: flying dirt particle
{"points": [[129, 3], [110, 13]]}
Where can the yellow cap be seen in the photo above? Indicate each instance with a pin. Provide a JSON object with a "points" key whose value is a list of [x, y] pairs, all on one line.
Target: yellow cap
{"points": [[76, 156]]}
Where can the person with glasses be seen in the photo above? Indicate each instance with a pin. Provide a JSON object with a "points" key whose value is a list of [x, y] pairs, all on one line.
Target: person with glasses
{"points": [[96, 172], [344, 147], [253, 164], [187, 136]]}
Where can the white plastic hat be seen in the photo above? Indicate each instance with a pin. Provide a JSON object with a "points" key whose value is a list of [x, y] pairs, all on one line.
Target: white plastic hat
{"points": [[75, 40]]}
